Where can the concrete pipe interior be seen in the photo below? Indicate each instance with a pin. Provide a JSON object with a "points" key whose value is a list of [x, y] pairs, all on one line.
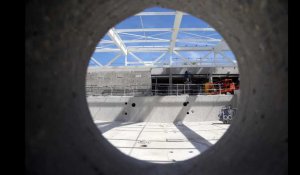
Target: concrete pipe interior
{"points": [[61, 137]]}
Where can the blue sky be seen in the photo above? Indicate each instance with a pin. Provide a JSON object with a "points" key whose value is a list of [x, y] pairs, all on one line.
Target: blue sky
{"points": [[138, 22]]}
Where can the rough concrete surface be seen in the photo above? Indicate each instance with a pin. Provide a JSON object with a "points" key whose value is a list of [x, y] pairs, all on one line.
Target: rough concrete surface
{"points": [[61, 137], [162, 142], [167, 109], [117, 77]]}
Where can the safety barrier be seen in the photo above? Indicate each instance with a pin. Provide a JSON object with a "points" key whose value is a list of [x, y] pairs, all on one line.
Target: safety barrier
{"points": [[155, 90]]}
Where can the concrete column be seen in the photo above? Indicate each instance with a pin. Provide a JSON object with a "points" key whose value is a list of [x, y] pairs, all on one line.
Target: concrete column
{"points": [[170, 80], [210, 78]]}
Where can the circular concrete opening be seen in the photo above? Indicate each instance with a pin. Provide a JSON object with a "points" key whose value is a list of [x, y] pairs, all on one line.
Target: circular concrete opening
{"points": [[61, 139], [162, 123]]}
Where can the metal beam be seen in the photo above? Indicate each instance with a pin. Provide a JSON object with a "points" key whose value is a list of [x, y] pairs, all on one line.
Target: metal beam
{"points": [[165, 30], [198, 40], [95, 61], [117, 40], [158, 58], [144, 37], [141, 41], [106, 50], [114, 59], [195, 43], [137, 58], [201, 36], [157, 13], [156, 49], [228, 59], [207, 55], [176, 27], [179, 66], [163, 41], [221, 46], [184, 59]]}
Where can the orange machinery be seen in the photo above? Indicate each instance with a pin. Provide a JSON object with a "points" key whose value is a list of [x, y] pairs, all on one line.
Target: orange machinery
{"points": [[226, 85]]}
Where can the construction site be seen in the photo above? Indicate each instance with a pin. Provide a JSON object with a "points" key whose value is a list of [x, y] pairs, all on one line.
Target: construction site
{"points": [[169, 87], [162, 95]]}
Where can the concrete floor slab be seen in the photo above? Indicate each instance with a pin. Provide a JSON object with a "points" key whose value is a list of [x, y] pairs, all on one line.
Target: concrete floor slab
{"points": [[162, 142]]}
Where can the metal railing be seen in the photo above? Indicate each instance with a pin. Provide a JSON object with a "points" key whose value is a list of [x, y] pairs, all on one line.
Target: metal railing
{"points": [[181, 89], [133, 90], [154, 90]]}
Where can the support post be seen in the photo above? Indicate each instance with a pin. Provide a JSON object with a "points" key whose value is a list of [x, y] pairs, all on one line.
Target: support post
{"points": [[170, 81]]}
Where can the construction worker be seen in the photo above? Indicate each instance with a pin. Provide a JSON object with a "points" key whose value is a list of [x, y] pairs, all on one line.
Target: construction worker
{"points": [[186, 76]]}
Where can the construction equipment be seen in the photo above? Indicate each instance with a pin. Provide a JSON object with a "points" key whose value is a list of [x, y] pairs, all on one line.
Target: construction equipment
{"points": [[210, 88], [227, 86], [221, 87], [226, 114]]}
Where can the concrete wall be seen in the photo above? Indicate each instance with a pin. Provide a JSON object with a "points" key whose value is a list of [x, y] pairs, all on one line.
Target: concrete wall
{"points": [[118, 77], [235, 99], [117, 80], [158, 109], [125, 78]]}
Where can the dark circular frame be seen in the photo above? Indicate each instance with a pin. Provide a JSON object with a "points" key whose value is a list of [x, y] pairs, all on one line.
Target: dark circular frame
{"points": [[61, 137]]}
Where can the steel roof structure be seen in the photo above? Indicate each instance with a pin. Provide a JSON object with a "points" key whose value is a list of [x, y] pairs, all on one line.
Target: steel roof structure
{"points": [[159, 45]]}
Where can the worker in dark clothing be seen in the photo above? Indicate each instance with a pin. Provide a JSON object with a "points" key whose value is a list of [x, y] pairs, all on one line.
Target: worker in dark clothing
{"points": [[188, 81], [187, 76]]}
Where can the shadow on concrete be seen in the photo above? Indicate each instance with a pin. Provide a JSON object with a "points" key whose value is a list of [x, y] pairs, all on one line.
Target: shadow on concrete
{"points": [[111, 125], [184, 109], [169, 103], [200, 143], [122, 119], [219, 124], [101, 123], [141, 111], [211, 109]]}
